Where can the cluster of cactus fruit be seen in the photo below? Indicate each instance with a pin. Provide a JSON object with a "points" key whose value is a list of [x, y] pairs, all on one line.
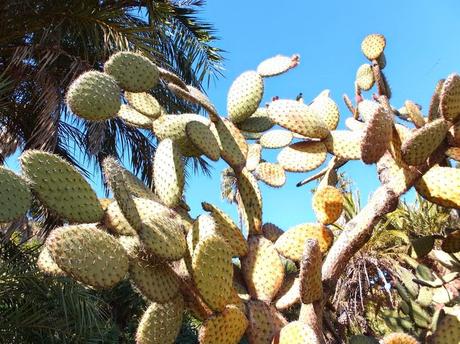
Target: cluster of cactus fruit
{"points": [[179, 263]]}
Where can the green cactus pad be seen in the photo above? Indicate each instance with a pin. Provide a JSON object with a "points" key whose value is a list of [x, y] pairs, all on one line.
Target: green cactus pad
{"points": [[373, 45], [365, 77], [327, 110], [145, 103], [302, 156], [161, 322], [134, 118], [234, 146], [204, 139], [376, 136], [168, 173], [227, 327], [251, 199], [15, 196], [94, 96], [311, 288], [276, 139], [441, 185], [449, 101], [253, 158], [132, 245], [271, 174], [344, 144], [258, 122], [47, 265], [60, 187], [277, 65], [116, 222], [88, 254], [244, 96], [264, 322], [133, 72]]}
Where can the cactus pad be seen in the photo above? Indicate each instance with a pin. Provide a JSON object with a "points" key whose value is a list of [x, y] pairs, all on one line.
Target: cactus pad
{"points": [[296, 333], [276, 139], [134, 118], [271, 232], [311, 288], [204, 139], [224, 328], [271, 174], [414, 113], [88, 254], [365, 77], [399, 338], [60, 187], [373, 45], [441, 185], [327, 204], [376, 136], [145, 103], [253, 158], [133, 72], [302, 156], [47, 265], [277, 65], [116, 221], [451, 243], [449, 101], [264, 322], [344, 144], [448, 327], [327, 110], [367, 109], [94, 96], [15, 196], [234, 146], [244, 96], [289, 294], [252, 200], [258, 122]]}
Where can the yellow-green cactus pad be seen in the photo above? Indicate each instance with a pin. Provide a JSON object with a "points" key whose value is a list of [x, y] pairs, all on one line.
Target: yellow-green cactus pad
{"points": [[116, 222], [227, 229], [449, 101], [251, 136], [60, 187], [157, 282], [271, 174], [327, 110], [252, 200], [88, 254], [448, 327], [15, 196], [344, 144], [161, 322], [276, 139], [168, 173], [373, 45], [262, 269], [133, 72], [234, 146], [132, 245], [202, 227], [47, 265], [213, 271], [277, 65], [94, 96], [311, 288], [376, 136], [296, 333], [414, 113], [399, 338], [271, 231], [441, 185], [134, 118], [264, 322], [253, 158], [244, 96], [145, 103], [204, 139], [289, 293], [297, 117], [424, 141], [291, 243], [327, 203], [258, 122], [451, 242], [227, 327], [365, 77], [302, 156]]}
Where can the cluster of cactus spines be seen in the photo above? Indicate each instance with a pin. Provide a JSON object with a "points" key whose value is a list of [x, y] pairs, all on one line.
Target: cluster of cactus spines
{"points": [[179, 263]]}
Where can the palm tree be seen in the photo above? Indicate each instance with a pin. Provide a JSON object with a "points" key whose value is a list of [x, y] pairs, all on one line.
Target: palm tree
{"points": [[45, 44]]}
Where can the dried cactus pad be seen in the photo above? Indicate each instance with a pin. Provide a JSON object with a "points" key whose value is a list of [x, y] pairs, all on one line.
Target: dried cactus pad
{"points": [[264, 322], [365, 77], [291, 243], [252, 200], [448, 327], [424, 141], [277, 65], [15, 196], [204, 139], [276, 139], [234, 146], [327, 204], [297, 117], [94, 96], [224, 328], [47, 265], [244, 96], [262, 269], [399, 338], [344, 144], [133, 72], [88, 254], [258, 122], [441, 185], [311, 288], [157, 282], [213, 271], [302, 156], [327, 110], [296, 333], [271, 174], [134, 118], [450, 98], [145, 103], [60, 187], [373, 45], [161, 322], [376, 136], [168, 173]]}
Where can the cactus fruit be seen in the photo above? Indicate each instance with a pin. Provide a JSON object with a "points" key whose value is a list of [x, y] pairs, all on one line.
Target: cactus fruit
{"points": [[327, 110], [414, 113], [344, 144], [252, 200], [449, 101], [302, 156], [277, 65], [47, 265], [289, 294], [399, 338], [264, 322], [134, 118], [88, 254], [262, 269], [161, 322], [424, 141], [311, 288], [296, 333], [145, 103], [373, 45], [234, 146], [15, 196], [441, 185], [271, 232], [276, 139], [213, 271], [116, 222], [168, 173], [204, 139], [224, 328], [327, 204], [291, 243], [244, 96], [156, 281], [94, 96], [271, 174], [376, 136], [298, 118], [253, 158], [365, 77], [258, 122], [60, 187], [133, 72]]}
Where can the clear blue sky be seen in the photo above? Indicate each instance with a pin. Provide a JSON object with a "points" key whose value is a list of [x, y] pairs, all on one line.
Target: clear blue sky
{"points": [[423, 45]]}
